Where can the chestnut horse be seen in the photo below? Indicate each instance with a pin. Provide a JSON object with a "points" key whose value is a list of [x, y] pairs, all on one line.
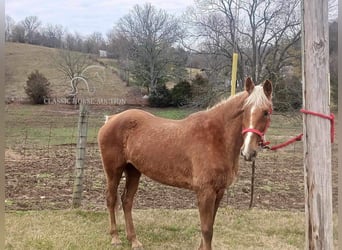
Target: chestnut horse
{"points": [[200, 153]]}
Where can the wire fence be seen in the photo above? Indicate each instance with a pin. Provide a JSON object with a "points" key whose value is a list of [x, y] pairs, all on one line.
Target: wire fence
{"points": [[41, 154]]}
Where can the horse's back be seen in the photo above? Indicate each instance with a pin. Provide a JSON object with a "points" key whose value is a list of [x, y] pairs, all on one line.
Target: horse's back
{"points": [[116, 125]]}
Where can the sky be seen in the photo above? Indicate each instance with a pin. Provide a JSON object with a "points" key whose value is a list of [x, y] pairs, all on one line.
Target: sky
{"points": [[85, 16]]}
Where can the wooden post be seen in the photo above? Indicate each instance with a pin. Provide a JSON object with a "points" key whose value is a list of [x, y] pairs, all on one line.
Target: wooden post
{"points": [[317, 144], [80, 156], [234, 72]]}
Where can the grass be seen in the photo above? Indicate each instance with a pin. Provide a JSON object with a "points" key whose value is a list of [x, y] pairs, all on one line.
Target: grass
{"points": [[22, 59], [53, 128], [172, 113], [156, 229]]}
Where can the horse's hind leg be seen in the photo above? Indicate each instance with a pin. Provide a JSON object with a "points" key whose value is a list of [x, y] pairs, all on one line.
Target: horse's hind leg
{"points": [[132, 183], [113, 174]]}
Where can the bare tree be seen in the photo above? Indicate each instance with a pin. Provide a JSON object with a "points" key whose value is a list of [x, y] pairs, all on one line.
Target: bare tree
{"points": [[119, 48], [212, 35], [18, 33], [151, 34], [73, 42], [261, 31], [52, 36], [73, 66], [31, 25], [9, 23], [93, 43]]}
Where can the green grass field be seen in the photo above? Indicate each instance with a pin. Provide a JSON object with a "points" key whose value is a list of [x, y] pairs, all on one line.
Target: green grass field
{"points": [[156, 228], [47, 127], [234, 229]]}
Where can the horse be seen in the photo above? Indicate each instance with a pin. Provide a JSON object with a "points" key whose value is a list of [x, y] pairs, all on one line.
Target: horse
{"points": [[200, 152]]}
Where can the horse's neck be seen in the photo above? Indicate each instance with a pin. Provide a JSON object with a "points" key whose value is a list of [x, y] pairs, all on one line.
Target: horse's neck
{"points": [[230, 111], [230, 115]]}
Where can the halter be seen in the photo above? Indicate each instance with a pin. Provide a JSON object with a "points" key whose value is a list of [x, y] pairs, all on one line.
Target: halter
{"points": [[262, 142]]}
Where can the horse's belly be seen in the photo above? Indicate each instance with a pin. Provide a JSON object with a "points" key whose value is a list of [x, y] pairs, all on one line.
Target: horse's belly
{"points": [[167, 170], [174, 181]]}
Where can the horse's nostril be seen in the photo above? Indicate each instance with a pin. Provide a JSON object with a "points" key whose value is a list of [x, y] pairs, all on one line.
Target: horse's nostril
{"points": [[254, 153]]}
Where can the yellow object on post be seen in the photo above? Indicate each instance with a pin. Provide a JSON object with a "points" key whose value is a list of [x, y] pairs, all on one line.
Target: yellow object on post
{"points": [[234, 73]]}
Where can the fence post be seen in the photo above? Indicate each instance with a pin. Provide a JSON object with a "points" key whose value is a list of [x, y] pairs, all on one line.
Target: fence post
{"points": [[80, 156], [316, 130]]}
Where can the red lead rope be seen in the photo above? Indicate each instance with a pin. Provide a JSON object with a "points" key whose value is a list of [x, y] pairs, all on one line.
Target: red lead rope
{"points": [[284, 144], [264, 144], [330, 117]]}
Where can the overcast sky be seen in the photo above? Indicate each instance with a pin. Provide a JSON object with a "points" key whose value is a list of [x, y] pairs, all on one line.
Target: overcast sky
{"points": [[85, 16]]}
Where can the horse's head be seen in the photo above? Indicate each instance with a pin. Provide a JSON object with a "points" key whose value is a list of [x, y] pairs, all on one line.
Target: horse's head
{"points": [[256, 117]]}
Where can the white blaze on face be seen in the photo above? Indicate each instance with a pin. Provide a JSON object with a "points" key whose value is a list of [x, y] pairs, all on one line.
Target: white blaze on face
{"points": [[246, 147]]}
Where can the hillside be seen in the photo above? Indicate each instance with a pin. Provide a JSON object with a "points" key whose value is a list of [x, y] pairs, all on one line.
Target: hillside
{"points": [[22, 59]]}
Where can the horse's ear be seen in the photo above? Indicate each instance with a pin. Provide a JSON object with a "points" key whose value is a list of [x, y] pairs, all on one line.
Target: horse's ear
{"points": [[249, 85], [268, 88]]}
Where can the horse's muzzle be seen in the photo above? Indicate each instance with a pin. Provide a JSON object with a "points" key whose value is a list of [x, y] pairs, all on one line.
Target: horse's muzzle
{"points": [[249, 156]]}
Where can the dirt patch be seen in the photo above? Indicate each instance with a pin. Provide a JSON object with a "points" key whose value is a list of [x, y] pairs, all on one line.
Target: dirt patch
{"points": [[41, 177], [10, 155], [45, 181]]}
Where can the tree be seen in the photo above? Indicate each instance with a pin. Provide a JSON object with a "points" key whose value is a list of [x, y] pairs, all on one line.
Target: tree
{"points": [[93, 43], [9, 21], [261, 31], [73, 42], [37, 87], [73, 66], [150, 33], [52, 36], [31, 25], [119, 48], [18, 33]]}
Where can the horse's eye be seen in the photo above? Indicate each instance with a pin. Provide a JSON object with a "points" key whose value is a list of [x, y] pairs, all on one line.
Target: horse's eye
{"points": [[266, 113]]}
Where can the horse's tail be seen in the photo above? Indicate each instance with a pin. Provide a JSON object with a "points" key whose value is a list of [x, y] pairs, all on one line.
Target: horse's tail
{"points": [[106, 118], [118, 204]]}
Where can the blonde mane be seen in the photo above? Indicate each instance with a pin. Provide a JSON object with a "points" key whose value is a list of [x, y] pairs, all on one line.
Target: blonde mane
{"points": [[257, 98]]}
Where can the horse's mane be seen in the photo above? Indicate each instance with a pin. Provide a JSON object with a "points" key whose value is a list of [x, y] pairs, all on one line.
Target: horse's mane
{"points": [[257, 98]]}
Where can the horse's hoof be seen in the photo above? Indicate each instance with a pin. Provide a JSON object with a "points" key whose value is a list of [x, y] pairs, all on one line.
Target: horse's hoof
{"points": [[138, 248], [137, 245], [116, 242]]}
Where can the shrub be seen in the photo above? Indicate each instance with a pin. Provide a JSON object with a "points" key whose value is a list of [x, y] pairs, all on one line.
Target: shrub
{"points": [[37, 87], [160, 97], [287, 95], [202, 91], [181, 93]]}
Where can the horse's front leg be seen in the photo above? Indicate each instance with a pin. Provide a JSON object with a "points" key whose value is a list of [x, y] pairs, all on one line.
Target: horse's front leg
{"points": [[207, 209]]}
